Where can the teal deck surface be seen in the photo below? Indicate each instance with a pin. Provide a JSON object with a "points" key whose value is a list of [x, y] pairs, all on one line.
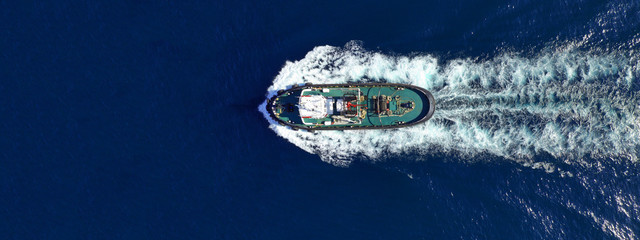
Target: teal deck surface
{"points": [[364, 106]]}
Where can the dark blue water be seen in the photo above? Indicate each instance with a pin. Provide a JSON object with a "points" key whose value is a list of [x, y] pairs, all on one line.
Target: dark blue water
{"points": [[139, 120]]}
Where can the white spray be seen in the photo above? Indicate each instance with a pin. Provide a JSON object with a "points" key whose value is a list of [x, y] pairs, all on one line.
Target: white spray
{"points": [[565, 103]]}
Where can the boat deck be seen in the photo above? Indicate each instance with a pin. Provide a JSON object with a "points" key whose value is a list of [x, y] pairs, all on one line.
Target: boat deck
{"points": [[367, 108]]}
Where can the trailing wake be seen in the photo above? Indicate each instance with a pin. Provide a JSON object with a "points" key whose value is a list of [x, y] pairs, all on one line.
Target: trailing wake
{"points": [[566, 103]]}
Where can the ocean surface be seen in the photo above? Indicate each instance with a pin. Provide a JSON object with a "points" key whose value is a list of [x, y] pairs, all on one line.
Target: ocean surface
{"points": [[143, 120]]}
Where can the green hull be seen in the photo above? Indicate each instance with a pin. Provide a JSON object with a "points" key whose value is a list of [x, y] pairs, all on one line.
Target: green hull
{"points": [[351, 106]]}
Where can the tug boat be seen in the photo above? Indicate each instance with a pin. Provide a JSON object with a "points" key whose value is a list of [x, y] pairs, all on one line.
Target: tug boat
{"points": [[355, 106]]}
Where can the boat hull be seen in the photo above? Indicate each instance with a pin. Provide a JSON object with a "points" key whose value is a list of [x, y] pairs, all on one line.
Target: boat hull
{"points": [[376, 110]]}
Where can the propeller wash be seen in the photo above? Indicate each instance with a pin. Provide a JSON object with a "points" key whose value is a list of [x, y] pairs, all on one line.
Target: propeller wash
{"points": [[565, 103]]}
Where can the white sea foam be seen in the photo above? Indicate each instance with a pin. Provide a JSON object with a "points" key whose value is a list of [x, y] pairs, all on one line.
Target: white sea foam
{"points": [[565, 103]]}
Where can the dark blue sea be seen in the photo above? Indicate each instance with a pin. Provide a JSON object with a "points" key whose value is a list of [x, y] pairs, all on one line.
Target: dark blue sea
{"points": [[143, 120]]}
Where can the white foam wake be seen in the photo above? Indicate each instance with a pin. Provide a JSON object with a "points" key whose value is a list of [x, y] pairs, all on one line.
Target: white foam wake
{"points": [[565, 103]]}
